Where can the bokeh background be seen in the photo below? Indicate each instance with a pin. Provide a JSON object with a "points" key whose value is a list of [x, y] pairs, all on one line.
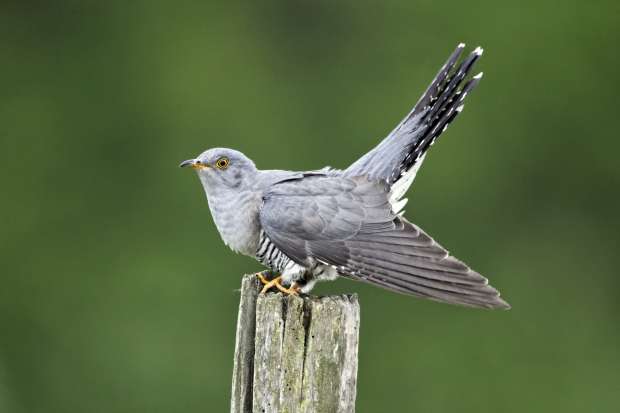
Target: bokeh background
{"points": [[116, 293]]}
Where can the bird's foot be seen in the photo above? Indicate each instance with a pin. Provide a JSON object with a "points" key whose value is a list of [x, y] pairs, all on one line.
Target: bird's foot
{"points": [[263, 277], [294, 289], [268, 284]]}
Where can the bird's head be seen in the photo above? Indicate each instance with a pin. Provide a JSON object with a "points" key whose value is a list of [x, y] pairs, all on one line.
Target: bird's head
{"points": [[221, 168]]}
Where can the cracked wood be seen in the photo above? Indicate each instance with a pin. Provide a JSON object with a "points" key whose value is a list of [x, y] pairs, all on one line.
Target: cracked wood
{"points": [[295, 354]]}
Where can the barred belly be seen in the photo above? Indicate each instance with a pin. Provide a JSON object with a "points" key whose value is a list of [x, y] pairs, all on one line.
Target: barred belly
{"points": [[270, 256]]}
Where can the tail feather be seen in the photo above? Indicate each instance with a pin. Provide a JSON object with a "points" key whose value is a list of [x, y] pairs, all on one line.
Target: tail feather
{"points": [[397, 158], [449, 109], [435, 89]]}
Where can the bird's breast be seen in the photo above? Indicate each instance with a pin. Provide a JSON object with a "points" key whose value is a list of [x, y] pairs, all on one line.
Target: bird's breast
{"points": [[236, 217]]}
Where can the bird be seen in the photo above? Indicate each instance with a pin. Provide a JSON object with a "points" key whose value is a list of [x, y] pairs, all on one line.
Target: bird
{"points": [[317, 225]]}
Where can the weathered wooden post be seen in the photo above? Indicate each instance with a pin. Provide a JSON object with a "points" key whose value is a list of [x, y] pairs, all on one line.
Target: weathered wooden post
{"points": [[294, 354]]}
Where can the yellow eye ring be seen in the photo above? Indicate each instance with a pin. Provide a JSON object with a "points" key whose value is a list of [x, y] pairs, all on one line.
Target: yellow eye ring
{"points": [[222, 163]]}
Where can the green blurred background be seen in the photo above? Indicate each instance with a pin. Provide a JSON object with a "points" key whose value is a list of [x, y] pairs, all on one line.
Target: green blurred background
{"points": [[116, 292]]}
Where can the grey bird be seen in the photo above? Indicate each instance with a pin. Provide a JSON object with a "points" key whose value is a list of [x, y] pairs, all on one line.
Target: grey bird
{"points": [[318, 225]]}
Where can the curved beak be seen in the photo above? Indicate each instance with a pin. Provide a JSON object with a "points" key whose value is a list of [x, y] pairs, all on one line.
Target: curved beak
{"points": [[189, 162]]}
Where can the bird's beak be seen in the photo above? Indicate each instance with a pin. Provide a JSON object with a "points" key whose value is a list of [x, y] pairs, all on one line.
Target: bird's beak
{"points": [[193, 163]]}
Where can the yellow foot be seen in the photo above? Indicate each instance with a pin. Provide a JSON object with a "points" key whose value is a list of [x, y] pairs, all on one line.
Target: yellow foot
{"points": [[268, 284], [292, 290], [261, 277]]}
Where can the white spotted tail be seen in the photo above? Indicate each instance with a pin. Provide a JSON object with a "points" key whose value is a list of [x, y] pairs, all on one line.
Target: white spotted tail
{"points": [[398, 157]]}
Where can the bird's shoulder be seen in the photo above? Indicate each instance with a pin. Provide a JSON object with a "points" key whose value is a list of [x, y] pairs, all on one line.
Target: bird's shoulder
{"points": [[325, 183], [317, 206]]}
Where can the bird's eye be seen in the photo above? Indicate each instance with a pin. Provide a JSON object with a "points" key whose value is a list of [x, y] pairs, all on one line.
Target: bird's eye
{"points": [[222, 163]]}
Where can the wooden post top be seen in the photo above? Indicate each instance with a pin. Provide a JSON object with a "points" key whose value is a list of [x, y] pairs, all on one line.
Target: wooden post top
{"points": [[295, 354]]}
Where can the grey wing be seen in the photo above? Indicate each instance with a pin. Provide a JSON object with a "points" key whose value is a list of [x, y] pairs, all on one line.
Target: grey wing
{"points": [[348, 223], [301, 215]]}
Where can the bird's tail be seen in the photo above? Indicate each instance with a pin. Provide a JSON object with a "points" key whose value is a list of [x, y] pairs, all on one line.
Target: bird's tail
{"points": [[397, 158]]}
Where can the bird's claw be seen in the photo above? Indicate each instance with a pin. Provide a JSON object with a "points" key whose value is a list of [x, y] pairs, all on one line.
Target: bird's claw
{"points": [[268, 284], [292, 290]]}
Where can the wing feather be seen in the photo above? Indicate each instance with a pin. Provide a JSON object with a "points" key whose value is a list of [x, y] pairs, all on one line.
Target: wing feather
{"points": [[347, 222]]}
